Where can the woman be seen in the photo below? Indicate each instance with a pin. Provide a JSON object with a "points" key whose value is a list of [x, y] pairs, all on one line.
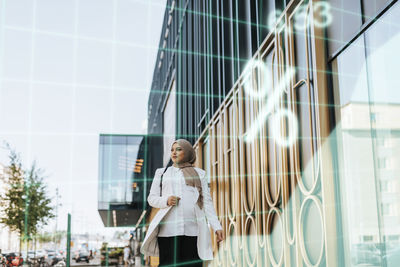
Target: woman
{"points": [[179, 232]]}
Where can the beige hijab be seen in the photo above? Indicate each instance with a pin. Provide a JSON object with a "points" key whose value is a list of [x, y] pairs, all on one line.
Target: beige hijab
{"points": [[191, 176]]}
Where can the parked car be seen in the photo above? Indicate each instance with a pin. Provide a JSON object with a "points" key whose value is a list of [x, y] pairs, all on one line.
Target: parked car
{"points": [[13, 259], [3, 259], [60, 264], [40, 254], [17, 261], [28, 258], [53, 258], [82, 256]]}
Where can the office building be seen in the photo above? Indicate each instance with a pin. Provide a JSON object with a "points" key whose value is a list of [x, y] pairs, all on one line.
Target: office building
{"points": [[292, 108]]}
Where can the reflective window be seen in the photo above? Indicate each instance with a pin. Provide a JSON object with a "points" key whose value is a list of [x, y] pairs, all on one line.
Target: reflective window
{"points": [[368, 103], [118, 158], [371, 8], [348, 20], [169, 123]]}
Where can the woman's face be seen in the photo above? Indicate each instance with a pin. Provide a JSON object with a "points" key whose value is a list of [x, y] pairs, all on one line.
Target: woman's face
{"points": [[177, 153]]}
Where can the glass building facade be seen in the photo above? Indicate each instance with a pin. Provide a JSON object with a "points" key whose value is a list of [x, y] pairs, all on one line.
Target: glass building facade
{"points": [[292, 108], [122, 172], [367, 100]]}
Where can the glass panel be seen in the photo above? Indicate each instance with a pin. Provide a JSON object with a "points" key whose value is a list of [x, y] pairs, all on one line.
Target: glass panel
{"points": [[369, 144], [169, 123], [357, 179], [266, 10], [371, 8], [383, 42], [118, 155], [346, 22], [299, 43]]}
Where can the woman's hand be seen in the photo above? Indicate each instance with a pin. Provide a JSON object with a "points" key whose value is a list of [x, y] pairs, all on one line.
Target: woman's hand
{"points": [[220, 235], [173, 200]]}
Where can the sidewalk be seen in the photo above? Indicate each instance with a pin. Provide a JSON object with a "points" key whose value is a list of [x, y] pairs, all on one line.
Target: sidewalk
{"points": [[96, 262]]}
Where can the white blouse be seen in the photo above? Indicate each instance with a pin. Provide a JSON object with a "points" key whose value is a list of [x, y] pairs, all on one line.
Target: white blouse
{"points": [[181, 220]]}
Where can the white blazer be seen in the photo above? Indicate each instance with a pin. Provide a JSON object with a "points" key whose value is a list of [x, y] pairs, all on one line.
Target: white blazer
{"points": [[204, 248]]}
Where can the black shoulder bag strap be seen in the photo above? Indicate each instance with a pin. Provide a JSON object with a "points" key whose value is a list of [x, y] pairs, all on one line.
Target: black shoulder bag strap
{"points": [[161, 179], [168, 165]]}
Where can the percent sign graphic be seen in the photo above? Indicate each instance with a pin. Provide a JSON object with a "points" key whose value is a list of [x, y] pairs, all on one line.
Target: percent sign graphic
{"points": [[272, 104]]}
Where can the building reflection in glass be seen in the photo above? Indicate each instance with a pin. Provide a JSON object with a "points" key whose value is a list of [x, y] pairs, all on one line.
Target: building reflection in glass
{"points": [[368, 97], [121, 198]]}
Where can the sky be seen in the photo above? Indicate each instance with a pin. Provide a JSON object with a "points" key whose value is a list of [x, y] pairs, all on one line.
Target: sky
{"points": [[70, 70]]}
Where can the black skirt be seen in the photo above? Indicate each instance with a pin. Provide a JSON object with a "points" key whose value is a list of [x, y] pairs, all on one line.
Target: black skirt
{"points": [[179, 251]]}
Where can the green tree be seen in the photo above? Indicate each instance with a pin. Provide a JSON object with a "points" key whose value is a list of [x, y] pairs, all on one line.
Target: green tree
{"points": [[44, 238], [26, 206]]}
